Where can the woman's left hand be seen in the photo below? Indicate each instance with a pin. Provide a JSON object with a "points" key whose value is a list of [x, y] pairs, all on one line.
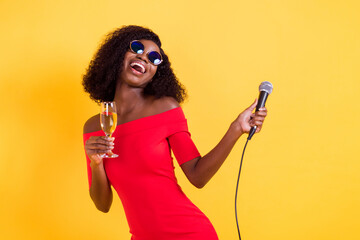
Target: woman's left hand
{"points": [[247, 119]]}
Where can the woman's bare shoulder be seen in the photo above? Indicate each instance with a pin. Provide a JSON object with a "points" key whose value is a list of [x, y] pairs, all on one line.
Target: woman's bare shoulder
{"points": [[164, 104], [92, 124]]}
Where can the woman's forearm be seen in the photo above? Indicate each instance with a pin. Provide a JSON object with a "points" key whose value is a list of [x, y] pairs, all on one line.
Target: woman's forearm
{"points": [[100, 190], [200, 170], [206, 166]]}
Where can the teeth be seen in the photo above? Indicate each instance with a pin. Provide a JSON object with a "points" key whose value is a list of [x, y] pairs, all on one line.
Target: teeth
{"points": [[138, 64]]}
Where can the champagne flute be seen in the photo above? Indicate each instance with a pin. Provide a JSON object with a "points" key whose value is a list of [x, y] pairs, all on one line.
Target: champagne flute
{"points": [[108, 121]]}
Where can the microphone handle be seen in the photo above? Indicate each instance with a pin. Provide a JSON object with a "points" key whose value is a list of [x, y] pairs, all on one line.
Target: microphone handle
{"points": [[262, 99], [263, 95]]}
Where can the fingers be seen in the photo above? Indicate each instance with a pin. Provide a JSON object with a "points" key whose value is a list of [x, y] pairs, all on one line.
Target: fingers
{"points": [[253, 105], [91, 152], [262, 112], [257, 118], [101, 140], [99, 145]]}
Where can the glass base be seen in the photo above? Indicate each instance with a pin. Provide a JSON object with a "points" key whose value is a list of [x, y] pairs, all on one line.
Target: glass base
{"points": [[113, 155]]}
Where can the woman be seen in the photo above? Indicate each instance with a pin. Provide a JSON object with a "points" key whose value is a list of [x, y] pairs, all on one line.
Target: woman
{"points": [[131, 69]]}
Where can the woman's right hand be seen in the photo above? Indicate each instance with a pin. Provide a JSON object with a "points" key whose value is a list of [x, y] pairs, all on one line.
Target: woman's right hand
{"points": [[96, 146]]}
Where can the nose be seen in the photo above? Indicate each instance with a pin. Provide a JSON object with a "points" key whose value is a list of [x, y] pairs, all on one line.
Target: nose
{"points": [[142, 56]]}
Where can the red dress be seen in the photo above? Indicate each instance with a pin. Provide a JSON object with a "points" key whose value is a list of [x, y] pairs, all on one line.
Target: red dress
{"points": [[143, 176]]}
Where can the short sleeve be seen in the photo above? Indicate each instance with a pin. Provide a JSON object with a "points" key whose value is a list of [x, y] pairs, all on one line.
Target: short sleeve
{"points": [[183, 147]]}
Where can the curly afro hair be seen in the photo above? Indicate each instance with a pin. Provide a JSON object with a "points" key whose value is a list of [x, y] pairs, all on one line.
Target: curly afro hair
{"points": [[105, 68]]}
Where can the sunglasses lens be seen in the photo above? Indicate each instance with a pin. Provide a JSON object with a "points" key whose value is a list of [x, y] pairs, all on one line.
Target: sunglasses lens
{"points": [[137, 47], [154, 57]]}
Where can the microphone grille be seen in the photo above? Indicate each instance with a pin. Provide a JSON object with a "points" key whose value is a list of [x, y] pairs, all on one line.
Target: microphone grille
{"points": [[266, 86]]}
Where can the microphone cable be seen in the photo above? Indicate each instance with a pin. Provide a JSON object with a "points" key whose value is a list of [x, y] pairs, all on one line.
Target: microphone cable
{"points": [[265, 89], [237, 186]]}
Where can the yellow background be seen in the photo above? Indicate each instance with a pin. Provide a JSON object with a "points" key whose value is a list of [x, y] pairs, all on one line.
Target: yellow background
{"points": [[300, 176]]}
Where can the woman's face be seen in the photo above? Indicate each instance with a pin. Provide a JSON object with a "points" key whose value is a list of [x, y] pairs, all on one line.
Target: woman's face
{"points": [[137, 70]]}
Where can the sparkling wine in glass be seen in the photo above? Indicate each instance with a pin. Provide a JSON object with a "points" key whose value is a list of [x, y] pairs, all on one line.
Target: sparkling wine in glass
{"points": [[108, 121]]}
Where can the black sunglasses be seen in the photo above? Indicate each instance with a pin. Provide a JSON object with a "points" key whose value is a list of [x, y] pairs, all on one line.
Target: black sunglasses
{"points": [[154, 57]]}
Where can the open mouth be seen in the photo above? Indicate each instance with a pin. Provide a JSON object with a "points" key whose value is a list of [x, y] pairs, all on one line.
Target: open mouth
{"points": [[137, 67]]}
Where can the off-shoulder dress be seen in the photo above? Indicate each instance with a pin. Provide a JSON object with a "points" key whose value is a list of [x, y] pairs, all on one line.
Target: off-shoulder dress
{"points": [[143, 175]]}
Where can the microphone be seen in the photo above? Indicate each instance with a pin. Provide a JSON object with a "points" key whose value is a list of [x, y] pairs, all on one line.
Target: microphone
{"points": [[265, 89]]}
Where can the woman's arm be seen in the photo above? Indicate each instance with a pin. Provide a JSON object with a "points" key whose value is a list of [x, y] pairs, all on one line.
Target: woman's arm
{"points": [[100, 189], [200, 170]]}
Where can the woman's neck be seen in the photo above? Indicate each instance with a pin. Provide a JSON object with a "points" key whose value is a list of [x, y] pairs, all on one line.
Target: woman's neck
{"points": [[128, 99]]}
